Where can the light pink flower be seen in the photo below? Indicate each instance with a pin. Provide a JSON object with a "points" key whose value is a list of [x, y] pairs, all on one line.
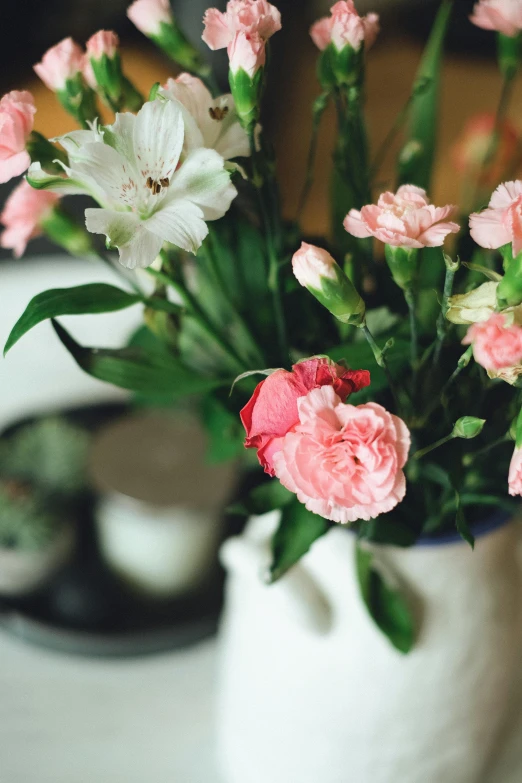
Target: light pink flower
{"points": [[17, 112], [505, 16], [496, 345], [403, 219], [311, 265], [344, 462], [103, 42], [247, 51], [147, 15], [251, 17], [345, 28], [501, 223], [515, 473], [471, 150], [272, 410], [60, 63], [21, 216]]}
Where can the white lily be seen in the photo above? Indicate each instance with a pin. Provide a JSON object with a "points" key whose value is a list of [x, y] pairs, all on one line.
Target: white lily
{"points": [[209, 122], [133, 170]]}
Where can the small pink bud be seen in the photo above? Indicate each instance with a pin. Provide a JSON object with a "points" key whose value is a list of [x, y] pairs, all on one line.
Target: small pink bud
{"points": [[60, 63], [17, 112], [256, 18], [23, 211], [147, 15], [344, 27], [103, 42], [313, 264], [247, 52], [504, 16]]}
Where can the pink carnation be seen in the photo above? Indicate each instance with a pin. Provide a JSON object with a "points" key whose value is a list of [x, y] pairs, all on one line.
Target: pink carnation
{"points": [[22, 214], [103, 42], [344, 462], [501, 223], [17, 112], [147, 15], [250, 17], [403, 219], [515, 473], [247, 52], [60, 63], [345, 28], [272, 410], [496, 345], [505, 16]]}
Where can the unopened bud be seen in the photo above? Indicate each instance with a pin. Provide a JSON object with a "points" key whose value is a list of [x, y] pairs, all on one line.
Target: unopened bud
{"points": [[468, 427], [402, 262], [318, 272]]}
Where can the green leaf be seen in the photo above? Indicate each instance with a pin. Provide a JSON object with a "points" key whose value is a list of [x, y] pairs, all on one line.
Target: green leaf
{"points": [[225, 431], [462, 525], [297, 531], [418, 154], [80, 300], [136, 370], [269, 496], [388, 530], [386, 606], [359, 356], [518, 431]]}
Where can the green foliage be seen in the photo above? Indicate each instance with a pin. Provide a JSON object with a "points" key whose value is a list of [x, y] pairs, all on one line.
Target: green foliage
{"points": [[139, 371], [297, 531], [417, 156], [91, 298], [387, 607], [225, 431], [269, 496], [358, 355]]}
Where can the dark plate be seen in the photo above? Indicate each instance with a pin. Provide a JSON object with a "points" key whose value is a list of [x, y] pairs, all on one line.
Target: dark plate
{"points": [[86, 610]]}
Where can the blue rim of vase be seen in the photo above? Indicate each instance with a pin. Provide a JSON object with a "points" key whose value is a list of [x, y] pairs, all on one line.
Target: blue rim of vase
{"points": [[479, 530]]}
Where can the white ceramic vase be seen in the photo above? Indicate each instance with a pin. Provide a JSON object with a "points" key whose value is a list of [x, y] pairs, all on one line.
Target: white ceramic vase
{"points": [[311, 692]]}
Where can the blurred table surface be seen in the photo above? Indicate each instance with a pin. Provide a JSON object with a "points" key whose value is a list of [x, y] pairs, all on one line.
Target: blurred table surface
{"points": [[71, 720]]}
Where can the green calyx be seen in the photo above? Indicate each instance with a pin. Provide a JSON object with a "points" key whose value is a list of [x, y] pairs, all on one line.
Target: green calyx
{"points": [[341, 298], [247, 91], [42, 151], [171, 38], [344, 68], [109, 78], [78, 99], [509, 54], [403, 264]]}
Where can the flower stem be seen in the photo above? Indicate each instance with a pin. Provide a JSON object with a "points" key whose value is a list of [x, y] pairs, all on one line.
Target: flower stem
{"points": [[442, 324], [436, 445], [319, 108], [193, 308], [469, 459], [411, 301], [273, 230], [380, 358]]}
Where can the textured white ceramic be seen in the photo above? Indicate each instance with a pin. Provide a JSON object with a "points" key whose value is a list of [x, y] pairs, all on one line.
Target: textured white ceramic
{"points": [[311, 692]]}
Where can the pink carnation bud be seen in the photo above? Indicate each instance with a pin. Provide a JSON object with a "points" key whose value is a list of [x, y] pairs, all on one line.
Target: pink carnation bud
{"points": [[501, 223], [312, 264], [474, 145], [272, 410], [17, 112], [496, 345], [329, 458], [403, 219], [515, 473], [247, 52], [147, 15], [504, 16], [104, 42], [256, 18], [60, 63], [22, 214], [344, 27]]}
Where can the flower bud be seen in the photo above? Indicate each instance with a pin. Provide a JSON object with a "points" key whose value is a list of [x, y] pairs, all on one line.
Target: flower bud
{"points": [[154, 19], [473, 307], [247, 59], [468, 427], [317, 271], [402, 262], [24, 212], [104, 59], [61, 70]]}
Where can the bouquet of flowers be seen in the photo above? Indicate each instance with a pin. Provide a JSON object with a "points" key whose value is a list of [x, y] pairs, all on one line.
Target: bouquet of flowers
{"points": [[389, 396]]}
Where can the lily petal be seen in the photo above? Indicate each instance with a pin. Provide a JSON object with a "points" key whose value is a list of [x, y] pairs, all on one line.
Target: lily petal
{"points": [[158, 139], [138, 247], [204, 181], [181, 223]]}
